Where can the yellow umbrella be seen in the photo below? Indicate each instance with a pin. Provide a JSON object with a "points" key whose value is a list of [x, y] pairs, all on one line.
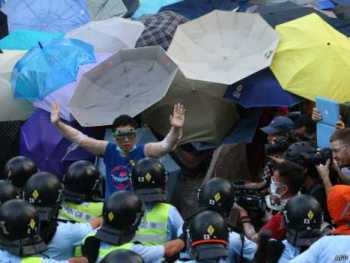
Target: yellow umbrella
{"points": [[313, 59]]}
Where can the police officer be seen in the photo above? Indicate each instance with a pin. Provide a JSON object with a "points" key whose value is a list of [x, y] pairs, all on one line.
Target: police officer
{"points": [[303, 218], [80, 183], [122, 256], [218, 194], [122, 214], [18, 170], [19, 237], [161, 222], [7, 191], [208, 237], [43, 190]]}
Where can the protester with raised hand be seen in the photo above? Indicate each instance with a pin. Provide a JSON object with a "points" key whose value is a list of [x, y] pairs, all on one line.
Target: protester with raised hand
{"points": [[119, 157]]}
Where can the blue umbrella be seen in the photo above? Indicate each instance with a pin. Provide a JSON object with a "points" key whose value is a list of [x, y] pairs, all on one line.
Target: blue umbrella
{"points": [[46, 15], [150, 7], [260, 90], [192, 9], [26, 39], [44, 69]]}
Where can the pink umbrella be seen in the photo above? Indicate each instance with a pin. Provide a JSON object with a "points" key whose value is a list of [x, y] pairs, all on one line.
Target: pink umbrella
{"points": [[64, 94]]}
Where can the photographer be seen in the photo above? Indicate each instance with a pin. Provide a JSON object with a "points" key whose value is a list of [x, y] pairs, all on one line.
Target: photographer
{"points": [[286, 182]]}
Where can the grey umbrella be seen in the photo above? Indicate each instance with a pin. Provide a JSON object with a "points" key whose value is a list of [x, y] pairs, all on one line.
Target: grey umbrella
{"points": [[127, 83]]}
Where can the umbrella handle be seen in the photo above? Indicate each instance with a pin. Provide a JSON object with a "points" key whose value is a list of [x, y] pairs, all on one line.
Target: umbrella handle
{"points": [[40, 45]]}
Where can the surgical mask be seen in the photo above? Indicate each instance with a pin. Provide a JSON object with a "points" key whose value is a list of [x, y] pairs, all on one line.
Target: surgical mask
{"points": [[345, 171]]}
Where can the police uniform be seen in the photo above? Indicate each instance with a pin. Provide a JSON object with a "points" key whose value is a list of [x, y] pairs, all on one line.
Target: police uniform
{"points": [[80, 213], [328, 249], [6, 257], [289, 252], [162, 222]]}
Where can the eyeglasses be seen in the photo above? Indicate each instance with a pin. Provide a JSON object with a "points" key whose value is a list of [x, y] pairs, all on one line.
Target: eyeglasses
{"points": [[131, 133]]}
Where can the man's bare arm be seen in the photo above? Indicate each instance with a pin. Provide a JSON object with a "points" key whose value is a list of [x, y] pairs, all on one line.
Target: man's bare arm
{"points": [[177, 119], [96, 147]]}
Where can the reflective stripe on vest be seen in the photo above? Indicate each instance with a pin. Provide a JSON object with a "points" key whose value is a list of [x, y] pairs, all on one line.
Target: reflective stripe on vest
{"points": [[80, 213], [31, 260], [153, 229]]}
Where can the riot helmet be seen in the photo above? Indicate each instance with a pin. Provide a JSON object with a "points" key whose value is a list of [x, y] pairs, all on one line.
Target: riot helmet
{"points": [[122, 214], [80, 181], [303, 218], [217, 194], [19, 226], [7, 191], [122, 256], [43, 191], [208, 235], [300, 153], [148, 178], [19, 169]]}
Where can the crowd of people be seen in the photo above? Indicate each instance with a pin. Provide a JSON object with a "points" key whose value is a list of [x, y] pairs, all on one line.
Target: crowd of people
{"points": [[299, 211]]}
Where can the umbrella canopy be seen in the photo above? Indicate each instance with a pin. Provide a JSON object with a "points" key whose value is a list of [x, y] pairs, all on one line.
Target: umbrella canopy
{"points": [[63, 95], [279, 13], [312, 59], [208, 116], [4, 30], [44, 69], [26, 39], [11, 109], [221, 46], [44, 144], [260, 90], [104, 9], [160, 29], [132, 6], [126, 83], [109, 35], [193, 9], [46, 15], [147, 7]]}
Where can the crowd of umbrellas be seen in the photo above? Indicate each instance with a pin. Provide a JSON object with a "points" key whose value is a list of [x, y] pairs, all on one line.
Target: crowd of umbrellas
{"points": [[100, 59]]}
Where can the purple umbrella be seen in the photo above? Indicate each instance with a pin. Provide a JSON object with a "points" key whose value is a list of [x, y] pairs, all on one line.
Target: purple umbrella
{"points": [[260, 90], [42, 142]]}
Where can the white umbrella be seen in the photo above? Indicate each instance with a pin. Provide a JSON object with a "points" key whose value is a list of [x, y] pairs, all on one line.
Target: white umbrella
{"points": [[109, 35], [104, 9], [223, 47], [11, 109], [126, 83]]}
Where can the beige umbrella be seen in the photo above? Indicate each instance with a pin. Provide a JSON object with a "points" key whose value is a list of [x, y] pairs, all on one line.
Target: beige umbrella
{"points": [[128, 82], [223, 47], [208, 116], [11, 109]]}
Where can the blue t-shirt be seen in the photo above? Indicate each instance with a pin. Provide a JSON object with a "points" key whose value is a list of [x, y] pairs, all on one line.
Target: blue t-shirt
{"points": [[328, 249], [118, 167], [67, 236]]}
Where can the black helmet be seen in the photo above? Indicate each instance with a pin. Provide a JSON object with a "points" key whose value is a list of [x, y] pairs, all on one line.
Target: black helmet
{"points": [[7, 191], [148, 178], [122, 213], [122, 256], [43, 190], [303, 218], [19, 229], [208, 236], [300, 153], [19, 169], [217, 194], [80, 181]]}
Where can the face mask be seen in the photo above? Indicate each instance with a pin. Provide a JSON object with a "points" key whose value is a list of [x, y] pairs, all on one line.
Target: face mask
{"points": [[345, 171]]}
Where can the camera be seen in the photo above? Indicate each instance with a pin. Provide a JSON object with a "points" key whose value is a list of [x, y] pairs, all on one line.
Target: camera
{"points": [[321, 156], [279, 146], [251, 199]]}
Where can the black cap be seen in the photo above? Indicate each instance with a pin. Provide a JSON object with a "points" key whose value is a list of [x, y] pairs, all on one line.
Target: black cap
{"points": [[279, 125]]}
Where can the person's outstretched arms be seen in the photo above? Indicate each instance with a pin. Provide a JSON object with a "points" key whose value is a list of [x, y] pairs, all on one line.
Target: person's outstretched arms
{"points": [[97, 147], [177, 120]]}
